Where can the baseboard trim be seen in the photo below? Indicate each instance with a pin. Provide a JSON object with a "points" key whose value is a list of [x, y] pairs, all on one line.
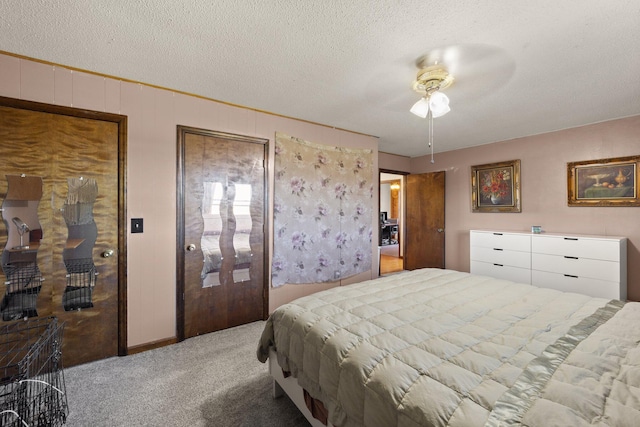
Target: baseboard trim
{"points": [[151, 345]]}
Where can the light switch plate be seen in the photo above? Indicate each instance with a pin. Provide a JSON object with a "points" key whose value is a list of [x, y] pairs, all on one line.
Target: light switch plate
{"points": [[137, 225]]}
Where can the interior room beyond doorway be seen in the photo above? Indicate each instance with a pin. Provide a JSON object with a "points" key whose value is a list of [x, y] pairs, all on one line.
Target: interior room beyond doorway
{"points": [[391, 218]]}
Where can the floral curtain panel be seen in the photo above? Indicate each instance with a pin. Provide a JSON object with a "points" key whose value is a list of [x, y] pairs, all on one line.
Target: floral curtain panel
{"points": [[322, 212]]}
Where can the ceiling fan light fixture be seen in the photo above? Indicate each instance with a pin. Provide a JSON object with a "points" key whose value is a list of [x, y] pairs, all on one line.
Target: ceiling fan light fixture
{"points": [[421, 108], [439, 104], [429, 82], [431, 79]]}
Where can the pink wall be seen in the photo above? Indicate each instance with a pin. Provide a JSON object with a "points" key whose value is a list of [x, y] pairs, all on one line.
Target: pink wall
{"points": [[544, 161], [393, 162], [153, 115]]}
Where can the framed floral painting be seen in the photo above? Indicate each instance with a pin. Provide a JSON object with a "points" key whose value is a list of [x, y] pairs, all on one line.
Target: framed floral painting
{"points": [[604, 182], [495, 187]]}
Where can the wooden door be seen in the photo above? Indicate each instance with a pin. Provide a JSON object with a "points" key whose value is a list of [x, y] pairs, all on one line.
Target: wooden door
{"points": [[221, 228], [62, 190], [424, 236]]}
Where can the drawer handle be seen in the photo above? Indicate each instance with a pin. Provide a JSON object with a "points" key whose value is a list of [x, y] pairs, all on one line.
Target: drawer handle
{"points": [[497, 234], [571, 275], [571, 257], [570, 238], [498, 265], [497, 249]]}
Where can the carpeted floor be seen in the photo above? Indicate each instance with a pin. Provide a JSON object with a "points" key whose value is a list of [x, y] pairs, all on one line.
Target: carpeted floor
{"points": [[210, 380]]}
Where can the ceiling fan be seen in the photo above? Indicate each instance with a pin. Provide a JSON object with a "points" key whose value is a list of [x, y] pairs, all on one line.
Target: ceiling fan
{"points": [[480, 69], [429, 82]]}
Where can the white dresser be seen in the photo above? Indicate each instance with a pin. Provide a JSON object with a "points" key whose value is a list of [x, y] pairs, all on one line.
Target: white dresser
{"points": [[590, 265], [501, 254]]}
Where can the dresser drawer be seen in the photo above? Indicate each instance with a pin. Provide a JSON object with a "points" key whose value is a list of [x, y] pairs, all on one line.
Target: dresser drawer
{"points": [[577, 246], [515, 274], [582, 285], [501, 256], [579, 267], [499, 240]]}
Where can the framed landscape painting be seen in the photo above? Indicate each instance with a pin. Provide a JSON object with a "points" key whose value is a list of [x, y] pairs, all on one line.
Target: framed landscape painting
{"points": [[495, 187], [604, 182]]}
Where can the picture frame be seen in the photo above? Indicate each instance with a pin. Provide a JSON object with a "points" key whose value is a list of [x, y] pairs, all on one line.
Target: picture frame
{"points": [[495, 187], [603, 182]]}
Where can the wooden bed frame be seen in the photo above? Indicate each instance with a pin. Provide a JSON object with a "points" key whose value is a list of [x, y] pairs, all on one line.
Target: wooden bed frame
{"points": [[290, 387]]}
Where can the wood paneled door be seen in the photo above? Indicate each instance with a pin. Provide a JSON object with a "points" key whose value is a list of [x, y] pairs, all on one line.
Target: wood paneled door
{"points": [[221, 231], [63, 208], [424, 236]]}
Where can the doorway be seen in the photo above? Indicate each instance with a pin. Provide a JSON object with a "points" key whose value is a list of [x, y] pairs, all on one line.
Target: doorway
{"points": [[421, 204], [390, 239], [221, 231]]}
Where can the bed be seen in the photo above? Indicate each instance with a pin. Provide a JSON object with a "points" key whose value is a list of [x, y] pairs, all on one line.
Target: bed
{"points": [[436, 347]]}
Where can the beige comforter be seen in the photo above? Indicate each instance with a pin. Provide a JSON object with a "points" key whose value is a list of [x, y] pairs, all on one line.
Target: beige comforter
{"points": [[438, 347]]}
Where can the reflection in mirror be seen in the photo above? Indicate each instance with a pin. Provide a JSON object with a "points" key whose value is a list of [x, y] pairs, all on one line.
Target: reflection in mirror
{"points": [[225, 239], [78, 252], [210, 240], [19, 258], [242, 212]]}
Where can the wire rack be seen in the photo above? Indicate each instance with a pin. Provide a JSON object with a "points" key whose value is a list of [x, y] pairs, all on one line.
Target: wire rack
{"points": [[81, 279], [32, 388], [22, 288]]}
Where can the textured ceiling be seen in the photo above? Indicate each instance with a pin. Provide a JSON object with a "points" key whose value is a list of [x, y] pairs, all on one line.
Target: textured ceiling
{"points": [[521, 67]]}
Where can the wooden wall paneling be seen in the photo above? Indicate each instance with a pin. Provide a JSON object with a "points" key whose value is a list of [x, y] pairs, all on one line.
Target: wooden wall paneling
{"points": [[37, 82], [88, 91], [63, 87], [10, 72]]}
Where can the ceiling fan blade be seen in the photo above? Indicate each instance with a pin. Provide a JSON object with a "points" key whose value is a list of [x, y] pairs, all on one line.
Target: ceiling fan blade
{"points": [[477, 69], [390, 89]]}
